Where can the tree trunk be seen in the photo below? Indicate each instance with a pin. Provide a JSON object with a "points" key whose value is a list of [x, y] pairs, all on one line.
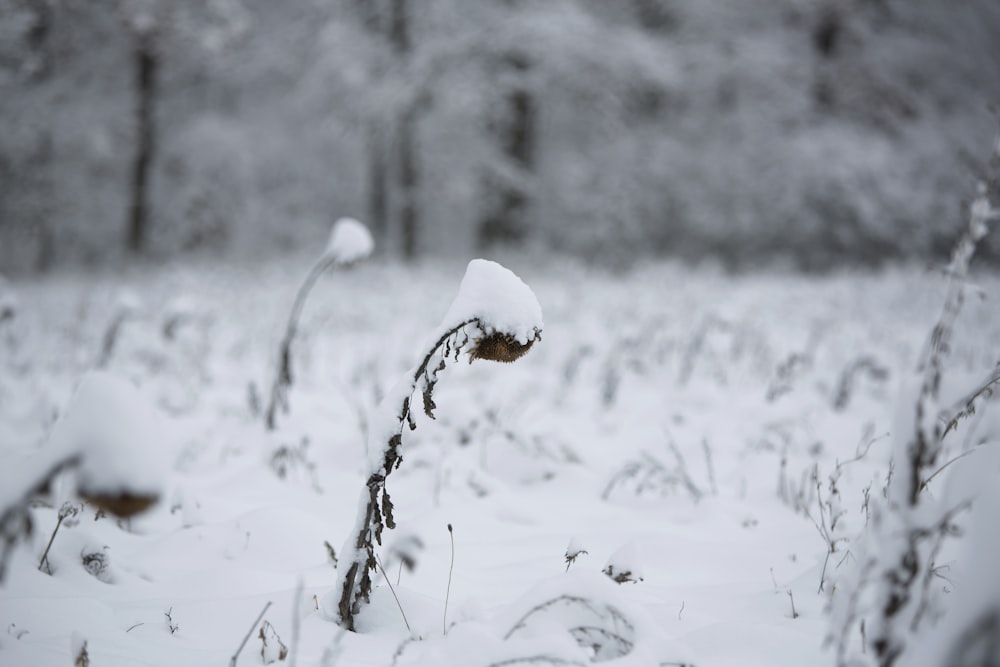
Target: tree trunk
{"points": [[378, 183], [505, 214], [145, 81], [407, 174], [408, 183], [399, 27]]}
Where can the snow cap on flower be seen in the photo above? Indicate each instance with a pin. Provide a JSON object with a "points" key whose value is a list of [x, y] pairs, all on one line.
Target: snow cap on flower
{"points": [[350, 242], [118, 438], [506, 310]]}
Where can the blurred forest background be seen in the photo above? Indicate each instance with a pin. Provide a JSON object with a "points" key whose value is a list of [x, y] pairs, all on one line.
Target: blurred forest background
{"points": [[816, 133]]}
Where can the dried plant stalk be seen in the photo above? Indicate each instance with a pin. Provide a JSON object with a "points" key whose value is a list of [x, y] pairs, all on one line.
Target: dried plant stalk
{"points": [[375, 507]]}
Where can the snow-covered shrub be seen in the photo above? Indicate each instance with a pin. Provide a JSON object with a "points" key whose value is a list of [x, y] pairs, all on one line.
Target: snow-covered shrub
{"points": [[889, 593], [350, 242], [495, 316]]}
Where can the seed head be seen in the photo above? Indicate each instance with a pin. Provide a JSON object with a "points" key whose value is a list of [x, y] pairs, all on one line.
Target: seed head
{"points": [[124, 505], [499, 346]]}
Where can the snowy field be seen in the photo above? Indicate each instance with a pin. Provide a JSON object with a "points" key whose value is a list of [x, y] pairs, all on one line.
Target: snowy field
{"points": [[677, 427]]}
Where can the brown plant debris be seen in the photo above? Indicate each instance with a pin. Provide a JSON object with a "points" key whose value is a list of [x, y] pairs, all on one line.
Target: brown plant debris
{"points": [[82, 659], [124, 505], [499, 346]]}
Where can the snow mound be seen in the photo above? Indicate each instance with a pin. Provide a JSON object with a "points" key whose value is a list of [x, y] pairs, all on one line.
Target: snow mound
{"points": [[350, 241], [499, 300], [118, 434]]}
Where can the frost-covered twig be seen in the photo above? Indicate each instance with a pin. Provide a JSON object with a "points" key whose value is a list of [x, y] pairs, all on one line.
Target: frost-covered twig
{"points": [[944, 466], [18, 490], [66, 511], [447, 592], [896, 561], [573, 551], [830, 509], [966, 406], [232, 661], [350, 242], [901, 568], [495, 316]]}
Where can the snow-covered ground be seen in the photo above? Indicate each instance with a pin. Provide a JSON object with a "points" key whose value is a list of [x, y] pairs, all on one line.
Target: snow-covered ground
{"points": [[670, 428]]}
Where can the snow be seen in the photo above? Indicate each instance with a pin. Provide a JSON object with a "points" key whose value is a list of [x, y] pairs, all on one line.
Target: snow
{"points": [[119, 436], [495, 296], [978, 595], [517, 461], [349, 242]]}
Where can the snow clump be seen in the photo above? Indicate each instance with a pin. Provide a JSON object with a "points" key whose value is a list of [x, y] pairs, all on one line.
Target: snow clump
{"points": [[118, 435], [350, 241], [499, 300]]}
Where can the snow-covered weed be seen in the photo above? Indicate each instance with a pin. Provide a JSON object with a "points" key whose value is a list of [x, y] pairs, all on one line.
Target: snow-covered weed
{"points": [[495, 316], [350, 242], [889, 594]]}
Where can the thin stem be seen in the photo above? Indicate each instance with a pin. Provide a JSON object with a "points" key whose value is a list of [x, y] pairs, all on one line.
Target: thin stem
{"points": [[283, 376], [964, 407], [14, 517], [52, 539], [791, 597], [393, 591], [447, 593], [232, 661], [356, 583], [937, 472]]}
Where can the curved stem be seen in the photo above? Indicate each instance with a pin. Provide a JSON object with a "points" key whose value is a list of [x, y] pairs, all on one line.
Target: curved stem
{"points": [[283, 375], [356, 583]]}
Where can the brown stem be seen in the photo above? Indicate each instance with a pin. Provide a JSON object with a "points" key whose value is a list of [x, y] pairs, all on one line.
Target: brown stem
{"points": [[355, 589], [52, 539], [283, 377]]}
